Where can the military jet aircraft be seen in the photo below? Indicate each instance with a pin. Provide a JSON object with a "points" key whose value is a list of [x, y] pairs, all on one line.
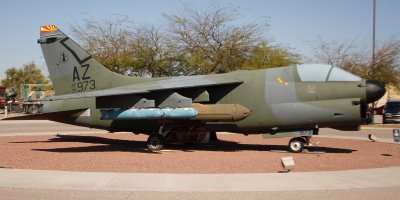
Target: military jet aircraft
{"points": [[293, 101]]}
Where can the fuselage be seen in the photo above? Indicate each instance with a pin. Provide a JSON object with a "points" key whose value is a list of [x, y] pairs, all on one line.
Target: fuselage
{"points": [[279, 98]]}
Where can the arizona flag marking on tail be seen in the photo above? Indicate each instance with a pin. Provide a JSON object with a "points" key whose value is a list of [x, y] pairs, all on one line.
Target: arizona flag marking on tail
{"points": [[49, 30]]}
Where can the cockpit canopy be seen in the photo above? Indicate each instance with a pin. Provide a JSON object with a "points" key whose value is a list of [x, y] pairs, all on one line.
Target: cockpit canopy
{"points": [[321, 72]]}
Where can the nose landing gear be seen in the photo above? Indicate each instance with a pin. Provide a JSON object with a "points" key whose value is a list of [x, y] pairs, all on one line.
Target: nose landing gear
{"points": [[297, 144]]}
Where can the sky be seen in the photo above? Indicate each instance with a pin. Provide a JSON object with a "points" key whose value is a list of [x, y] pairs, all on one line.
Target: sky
{"points": [[293, 23]]}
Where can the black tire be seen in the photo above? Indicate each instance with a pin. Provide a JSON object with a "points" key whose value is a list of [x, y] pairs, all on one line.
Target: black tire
{"points": [[296, 145], [155, 142], [213, 137]]}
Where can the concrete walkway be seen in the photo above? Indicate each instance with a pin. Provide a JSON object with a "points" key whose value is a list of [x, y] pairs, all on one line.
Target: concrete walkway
{"points": [[364, 184], [300, 181]]}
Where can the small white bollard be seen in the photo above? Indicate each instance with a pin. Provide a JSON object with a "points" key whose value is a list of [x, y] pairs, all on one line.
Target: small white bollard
{"points": [[5, 111], [287, 163]]}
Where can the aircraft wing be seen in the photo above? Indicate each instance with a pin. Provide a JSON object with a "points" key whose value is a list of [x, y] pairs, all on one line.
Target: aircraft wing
{"points": [[147, 87]]}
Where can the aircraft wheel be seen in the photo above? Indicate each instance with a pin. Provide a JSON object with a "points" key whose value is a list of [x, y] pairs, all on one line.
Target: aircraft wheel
{"points": [[296, 145], [155, 142], [33, 109]]}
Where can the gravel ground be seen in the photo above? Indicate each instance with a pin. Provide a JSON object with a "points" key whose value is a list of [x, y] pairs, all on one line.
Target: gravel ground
{"points": [[124, 152]]}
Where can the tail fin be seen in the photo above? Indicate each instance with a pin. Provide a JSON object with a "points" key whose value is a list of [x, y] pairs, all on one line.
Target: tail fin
{"points": [[71, 68]]}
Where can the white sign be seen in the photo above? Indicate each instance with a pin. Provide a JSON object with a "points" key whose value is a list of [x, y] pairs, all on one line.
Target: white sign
{"points": [[396, 135]]}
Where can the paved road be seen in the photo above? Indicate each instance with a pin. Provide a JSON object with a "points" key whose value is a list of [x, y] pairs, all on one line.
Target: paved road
{"points": [[383, 134], [37, 184], [44, 127], [41, 127]]}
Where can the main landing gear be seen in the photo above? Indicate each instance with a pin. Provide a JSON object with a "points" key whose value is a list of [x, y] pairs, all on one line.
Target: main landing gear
{"points": [[155, 142], [185, 135]]}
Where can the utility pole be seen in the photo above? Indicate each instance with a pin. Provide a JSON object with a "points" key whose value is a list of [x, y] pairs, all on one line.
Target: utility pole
{"points": [[373, 54], [373, 33]]}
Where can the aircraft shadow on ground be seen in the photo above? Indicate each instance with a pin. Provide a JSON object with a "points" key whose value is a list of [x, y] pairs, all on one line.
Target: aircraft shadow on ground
{"points": [[110, 145]]}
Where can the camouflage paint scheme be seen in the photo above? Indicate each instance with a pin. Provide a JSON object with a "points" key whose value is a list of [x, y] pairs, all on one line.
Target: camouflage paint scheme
{"points": [[281, 100]]}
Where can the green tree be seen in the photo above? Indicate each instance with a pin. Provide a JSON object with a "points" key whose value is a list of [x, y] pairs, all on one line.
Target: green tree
{"points": [[267, 56], [28, 74]]}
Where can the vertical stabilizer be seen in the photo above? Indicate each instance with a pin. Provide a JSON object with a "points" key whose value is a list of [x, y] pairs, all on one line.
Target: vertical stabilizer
{"points": [[71, 68]]}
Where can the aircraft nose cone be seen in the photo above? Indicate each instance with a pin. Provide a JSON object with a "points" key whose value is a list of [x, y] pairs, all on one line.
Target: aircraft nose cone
{"points": [[375, 91]]}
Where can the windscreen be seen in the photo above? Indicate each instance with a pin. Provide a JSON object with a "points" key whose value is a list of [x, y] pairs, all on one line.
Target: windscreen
{"points": [[338, 74], [323, 72], [313, 72]]}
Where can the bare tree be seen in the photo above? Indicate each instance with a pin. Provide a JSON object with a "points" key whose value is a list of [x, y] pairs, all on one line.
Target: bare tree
{"points": [[123, 47], [209, 40], [108, 41], [355, 58], [197, 43], [342, 54], [149, 47], [386, 65]]}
